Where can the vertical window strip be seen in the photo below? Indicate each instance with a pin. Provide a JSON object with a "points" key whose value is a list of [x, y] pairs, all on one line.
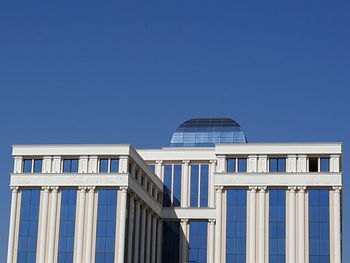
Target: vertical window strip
{"points": [[27, 165], [236, 225], [194, 185], [242, 165], [171, 242], [172, 185], [28, 226], [167, 186], [231, 165], [198, 242], [204, 185], [67, 226], [177, 185], [277, 225], [324, 164], [106, 225], [319, 247]]}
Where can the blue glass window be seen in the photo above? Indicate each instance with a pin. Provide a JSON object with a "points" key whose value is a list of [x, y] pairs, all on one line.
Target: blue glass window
{"points": [[103, 165], [27, 165], [194, 185], [199, 185], [114, 165], [106, 225], [319, 248], [277, 225], [231, 165], [236, 226], [37, 165], [67, 225], [152, 167], [167, 186], [277, 164], [177, 185], [204, 185], [172, 185], [70, 165], [171, 241], [324, 164], [28, 226], [198, 242], [242, 165]]}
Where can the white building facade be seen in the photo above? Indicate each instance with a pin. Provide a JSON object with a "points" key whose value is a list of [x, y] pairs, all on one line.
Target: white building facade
{"points": [[226, 202]]}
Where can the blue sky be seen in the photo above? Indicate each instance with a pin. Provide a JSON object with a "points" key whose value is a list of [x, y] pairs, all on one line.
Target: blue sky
{"points": [[106, 72]]}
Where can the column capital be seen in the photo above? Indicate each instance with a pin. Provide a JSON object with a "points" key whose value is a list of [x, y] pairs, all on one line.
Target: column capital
{"points": [[302, 189], [54, 189], [253, 188], [14, 189], [47, 157], [219, 188], [262, 189], [184, 221], [302, 156], [159, 162], [291, 156], [91, 188], [211, 221], [337, 189], [292, 188], [124, 189], [214, 161], [83, 188], [335, 155], [185, 162], [45, 188]]}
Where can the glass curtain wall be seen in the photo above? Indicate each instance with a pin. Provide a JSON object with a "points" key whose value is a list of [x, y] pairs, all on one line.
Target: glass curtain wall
{"points": [[172, 185], [199, 185], [198, 242]]}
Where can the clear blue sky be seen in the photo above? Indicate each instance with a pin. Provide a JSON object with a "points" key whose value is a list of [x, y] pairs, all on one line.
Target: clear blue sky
{"points": [[106, 72]]}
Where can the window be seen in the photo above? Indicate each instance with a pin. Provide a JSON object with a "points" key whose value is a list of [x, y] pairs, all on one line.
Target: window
{"points": [[106, 225], [231, 165], [171, 241], [277, 225], [319, 248], [28, 226], [324, 161], [32, 165], [70, 165], [152, 167], [198, 242], [108, 165], [313, 164], [242, 165], [236, 225], [277, 164], [199, 185], [67, 225], [172, 185]]}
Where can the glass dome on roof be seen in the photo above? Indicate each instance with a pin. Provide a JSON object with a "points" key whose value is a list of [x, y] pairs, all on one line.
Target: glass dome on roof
{"points": [[206, 132]]}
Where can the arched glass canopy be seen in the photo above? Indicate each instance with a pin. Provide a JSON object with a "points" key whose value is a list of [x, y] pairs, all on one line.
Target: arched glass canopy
{"points": [[206, 132]]}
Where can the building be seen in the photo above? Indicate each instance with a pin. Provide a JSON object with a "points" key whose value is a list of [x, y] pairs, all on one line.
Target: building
{"points": [[210, 197]]}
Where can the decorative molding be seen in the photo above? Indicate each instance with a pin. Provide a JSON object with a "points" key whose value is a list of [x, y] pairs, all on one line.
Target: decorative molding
{"points": [[184, 221], [124, 189], [292, 188], [83, 188], [211, 221], [337, 189], [185, 162], [54, 189], [213, 161], [302, 189], [45, 188], [159, 162], [262, 188], [219, 188], [253, 188], [14, 189]]}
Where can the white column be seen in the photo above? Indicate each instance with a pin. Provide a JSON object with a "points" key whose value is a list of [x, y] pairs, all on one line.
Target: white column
{"points": [[218, 230], [123, 164], [43, 224], [292, 225], [93, 164], [337, 224], [252, 224], [80, 231], [301, 222], [302, 163], [262, 224], [148, 237], [184, 241], [137, 231], [184, 190], [83, 164], [291, 163], [253, 164], [122, 218], [18, 163], [12, 224], [334, 163], [158, 169], [52, 227], [89, 224], [47, 163], [56, 164], [212, 169], [221, 167], [154, 239], [262, 163], [143, 235], [211, 248], [131, 229], [159, 241]]}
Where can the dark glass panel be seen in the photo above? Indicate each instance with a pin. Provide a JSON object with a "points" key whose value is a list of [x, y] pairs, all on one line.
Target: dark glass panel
{"points": [[171, 242], [27, 166], [37, 165], [242, 165], [204, 185], [324, 164], [167, 186], [194, 185], [198, 242], [231, 165], [103, 165], [114, 165], [177, 185]]}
